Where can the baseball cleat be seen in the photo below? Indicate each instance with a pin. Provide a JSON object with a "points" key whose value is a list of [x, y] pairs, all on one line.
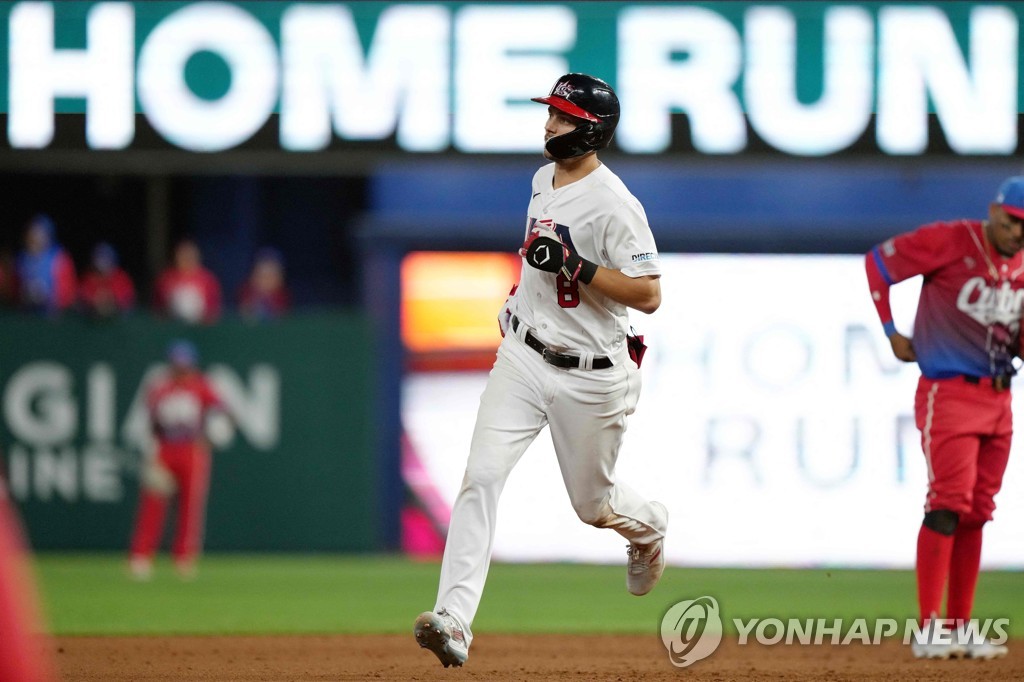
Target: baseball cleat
{"points": [[140, 568], [937, 650], [936, 642], [443, 635], [985, 650], [645, 566]]}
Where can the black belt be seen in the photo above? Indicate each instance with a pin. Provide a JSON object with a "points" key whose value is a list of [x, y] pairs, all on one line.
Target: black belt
{"points": [[1000, 382], [555, 358]]}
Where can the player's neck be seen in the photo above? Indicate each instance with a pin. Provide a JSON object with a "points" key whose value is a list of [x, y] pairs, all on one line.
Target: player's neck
{"points": [[568, 171]]}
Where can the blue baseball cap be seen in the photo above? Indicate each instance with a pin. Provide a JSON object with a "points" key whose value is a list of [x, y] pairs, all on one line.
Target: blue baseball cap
{"points": [[1011, 196], [182, 353]]}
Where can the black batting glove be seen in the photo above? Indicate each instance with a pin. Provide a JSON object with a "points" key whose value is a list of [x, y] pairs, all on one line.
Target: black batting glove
{"points": [[551, 255]]}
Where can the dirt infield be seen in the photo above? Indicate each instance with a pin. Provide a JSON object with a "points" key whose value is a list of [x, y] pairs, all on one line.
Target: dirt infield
{"points": [[495, 657]]}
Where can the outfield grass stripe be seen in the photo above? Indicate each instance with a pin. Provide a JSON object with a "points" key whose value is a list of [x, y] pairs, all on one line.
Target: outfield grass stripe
{"points": [[274, 594]]}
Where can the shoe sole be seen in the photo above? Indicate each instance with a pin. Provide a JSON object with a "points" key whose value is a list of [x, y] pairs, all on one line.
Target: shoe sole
{"points": [[989, 657], [430, 636], [942, 656]]}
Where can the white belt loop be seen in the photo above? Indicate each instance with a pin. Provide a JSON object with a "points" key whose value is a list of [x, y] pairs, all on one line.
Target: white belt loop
{"points": [[586, 360], [520, 330]]}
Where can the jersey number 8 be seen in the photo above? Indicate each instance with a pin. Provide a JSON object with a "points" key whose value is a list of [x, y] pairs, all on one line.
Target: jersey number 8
{"points": [[568, 291]]}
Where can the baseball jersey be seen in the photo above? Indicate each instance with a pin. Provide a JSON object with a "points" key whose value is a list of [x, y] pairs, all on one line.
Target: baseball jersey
{"points": [[191, 296], [112, 289], [178, 407], [599, 219], [47, 281], [968, 315]]}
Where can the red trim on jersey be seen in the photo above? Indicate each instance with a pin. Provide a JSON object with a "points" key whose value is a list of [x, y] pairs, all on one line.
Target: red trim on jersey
{"points": [[568, 107]]}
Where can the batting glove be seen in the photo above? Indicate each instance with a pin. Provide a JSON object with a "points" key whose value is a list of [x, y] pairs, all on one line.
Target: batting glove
{"points": [[551, 255]]}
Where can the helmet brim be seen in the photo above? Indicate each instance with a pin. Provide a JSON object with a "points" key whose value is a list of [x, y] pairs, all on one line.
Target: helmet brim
{"points": [[567, 107]]}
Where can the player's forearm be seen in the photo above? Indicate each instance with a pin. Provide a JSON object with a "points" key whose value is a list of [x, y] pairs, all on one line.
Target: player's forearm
{"points": [[640, 293], [879, 287]]}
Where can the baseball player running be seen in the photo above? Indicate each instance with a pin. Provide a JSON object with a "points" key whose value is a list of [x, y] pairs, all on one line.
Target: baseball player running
{"points": [[966, 334], [564, 362]]}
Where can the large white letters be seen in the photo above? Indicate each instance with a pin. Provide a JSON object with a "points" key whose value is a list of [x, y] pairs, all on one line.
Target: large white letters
{"points": [[652, 84], [402, 84], [179, 114], [495, 80], [842, 113], [102, 74], [432, 77], [919, 58]]}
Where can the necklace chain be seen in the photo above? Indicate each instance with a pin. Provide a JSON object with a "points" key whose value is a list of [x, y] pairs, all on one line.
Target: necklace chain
{"points": [[992, 269]]}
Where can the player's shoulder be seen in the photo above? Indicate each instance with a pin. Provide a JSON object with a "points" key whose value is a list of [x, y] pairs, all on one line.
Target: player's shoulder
{"points": [[544, 173], [950, 230], [615, 196]]}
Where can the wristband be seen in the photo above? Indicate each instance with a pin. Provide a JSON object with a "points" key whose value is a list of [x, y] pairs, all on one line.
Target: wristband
{"points": [[576, 267]]}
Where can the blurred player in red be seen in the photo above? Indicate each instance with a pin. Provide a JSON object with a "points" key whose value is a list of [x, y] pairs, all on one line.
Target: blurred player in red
{"points": [[23, 656], [187, 291], [966, 335], [44, 273], [107, 290], [178, 405], [264, 295]]}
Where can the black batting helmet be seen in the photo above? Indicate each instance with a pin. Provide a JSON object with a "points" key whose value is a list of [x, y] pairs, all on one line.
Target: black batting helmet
{"points": [[593, 102]]}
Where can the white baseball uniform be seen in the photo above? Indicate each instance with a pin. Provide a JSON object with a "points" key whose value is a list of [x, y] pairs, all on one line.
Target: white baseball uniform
{"points": [[586, 409]]}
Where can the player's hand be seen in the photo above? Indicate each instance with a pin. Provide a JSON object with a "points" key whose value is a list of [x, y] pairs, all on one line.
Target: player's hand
{"points": [[543, 253], [505, 316], [902, 348], [551, 255]]}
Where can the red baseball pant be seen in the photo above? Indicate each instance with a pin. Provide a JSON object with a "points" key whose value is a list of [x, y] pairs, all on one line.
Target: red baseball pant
{"points": [[966, 430], [189, 464]]}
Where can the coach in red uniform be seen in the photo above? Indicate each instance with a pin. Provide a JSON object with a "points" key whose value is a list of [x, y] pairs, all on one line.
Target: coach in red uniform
{"points": [[178, 405], [966, 335]]}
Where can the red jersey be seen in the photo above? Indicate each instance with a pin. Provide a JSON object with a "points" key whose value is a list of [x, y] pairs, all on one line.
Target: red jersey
{"points": [[105, 293], [263, 305], [972, 299], [178, 407], [193, 296]]}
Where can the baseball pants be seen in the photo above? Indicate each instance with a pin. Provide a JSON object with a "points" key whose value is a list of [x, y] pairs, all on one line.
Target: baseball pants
{"points": [[965, 434], [586, 412], [189, 464], [966, 430]]}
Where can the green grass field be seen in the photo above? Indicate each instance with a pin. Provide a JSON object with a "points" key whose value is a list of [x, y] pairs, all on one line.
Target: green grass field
{"points": [[280, 594]]}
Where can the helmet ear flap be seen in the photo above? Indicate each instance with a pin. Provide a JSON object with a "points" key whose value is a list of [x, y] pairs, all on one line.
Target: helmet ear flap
{"points": [[591, 134], [587, 137], [568, 145]]}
